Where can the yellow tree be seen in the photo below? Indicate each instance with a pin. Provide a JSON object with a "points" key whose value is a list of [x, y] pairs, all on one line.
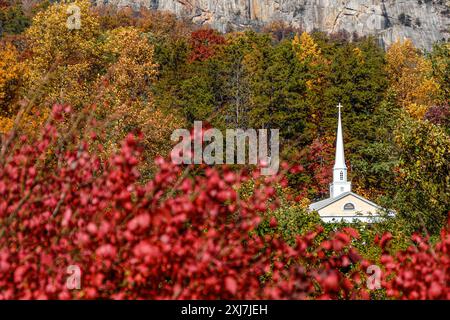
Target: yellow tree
{"points": [[126, 97], [315, 70], [12, 70], [133, 68], [65, 53], [410, 76], [306, 49], [10, 77], [309, 54]]}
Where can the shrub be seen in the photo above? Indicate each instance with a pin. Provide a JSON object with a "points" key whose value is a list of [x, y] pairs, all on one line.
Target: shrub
{"points": [[179, 236], [420, 272]]}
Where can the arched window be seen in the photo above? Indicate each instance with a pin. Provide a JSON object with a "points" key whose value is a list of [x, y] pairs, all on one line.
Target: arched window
{"points": [[349, 206], [342, 175]]}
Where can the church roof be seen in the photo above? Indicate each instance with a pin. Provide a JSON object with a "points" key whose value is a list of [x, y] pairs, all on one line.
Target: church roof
{"points": [[324, 203]]}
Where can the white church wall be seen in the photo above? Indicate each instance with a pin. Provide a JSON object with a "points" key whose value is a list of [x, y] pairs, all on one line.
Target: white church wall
{"points": [[352, 219]]}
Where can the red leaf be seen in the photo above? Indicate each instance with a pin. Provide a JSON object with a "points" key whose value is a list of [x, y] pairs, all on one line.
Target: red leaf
{"points": [[231, 285]]}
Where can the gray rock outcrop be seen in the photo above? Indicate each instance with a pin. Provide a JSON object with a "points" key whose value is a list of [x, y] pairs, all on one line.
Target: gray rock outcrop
{"points": [[422, 21]]}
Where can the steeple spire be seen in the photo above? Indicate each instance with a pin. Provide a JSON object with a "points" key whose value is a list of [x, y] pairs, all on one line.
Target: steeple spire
{"points": [[339, 161], [340, 183]]}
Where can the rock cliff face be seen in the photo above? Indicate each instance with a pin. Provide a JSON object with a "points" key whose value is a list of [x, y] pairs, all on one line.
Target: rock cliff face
{"points": [[423, 21]]}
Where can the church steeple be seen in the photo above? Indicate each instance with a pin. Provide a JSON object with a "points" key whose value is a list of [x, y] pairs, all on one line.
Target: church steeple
{"points": [[339, 161], [340, 183]]}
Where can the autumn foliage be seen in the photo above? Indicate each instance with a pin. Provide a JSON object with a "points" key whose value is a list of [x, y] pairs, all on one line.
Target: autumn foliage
{"points": [[420, 272], [174, 237], [204, 44], [84, 186], [179, 236]]}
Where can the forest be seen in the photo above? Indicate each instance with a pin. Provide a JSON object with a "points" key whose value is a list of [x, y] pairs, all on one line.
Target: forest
{"points": [[86, 116]]}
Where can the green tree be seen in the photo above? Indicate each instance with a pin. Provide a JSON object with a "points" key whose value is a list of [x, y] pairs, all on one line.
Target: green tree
{"points": [[13, 20], [423, 193], [376, 157], [277, 90], [440, 61]]}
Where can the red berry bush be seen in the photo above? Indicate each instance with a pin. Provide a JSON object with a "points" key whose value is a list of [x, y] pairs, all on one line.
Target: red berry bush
{"points": [[420, 272], [179, 236]]}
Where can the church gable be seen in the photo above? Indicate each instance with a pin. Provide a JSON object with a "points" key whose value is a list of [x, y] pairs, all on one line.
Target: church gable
{"points": [[348, 205]]}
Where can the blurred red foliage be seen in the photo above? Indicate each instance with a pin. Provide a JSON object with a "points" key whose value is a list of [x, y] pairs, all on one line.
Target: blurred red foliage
{"points": [[420, 272], [176, 237]]}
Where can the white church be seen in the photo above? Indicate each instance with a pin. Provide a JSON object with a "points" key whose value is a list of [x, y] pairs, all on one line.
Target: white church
{"points": [[343, 204]]}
